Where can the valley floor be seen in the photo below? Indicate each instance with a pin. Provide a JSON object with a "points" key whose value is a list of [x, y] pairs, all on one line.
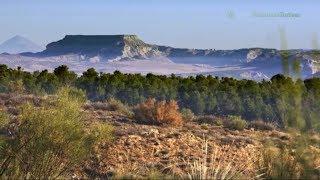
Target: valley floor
{"points": [[163, 67]]}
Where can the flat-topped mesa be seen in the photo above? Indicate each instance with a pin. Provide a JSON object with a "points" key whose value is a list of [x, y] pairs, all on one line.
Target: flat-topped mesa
{"points": [[105, 46]]}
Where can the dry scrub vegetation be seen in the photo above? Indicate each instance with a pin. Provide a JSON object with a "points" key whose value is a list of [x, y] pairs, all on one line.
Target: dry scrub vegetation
{"points": [[158, 113], [64, 136], [299, 159], [48, 141]]}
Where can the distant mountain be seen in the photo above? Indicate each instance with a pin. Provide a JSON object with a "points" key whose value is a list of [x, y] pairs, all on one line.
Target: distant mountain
{"points": [[126, 52], [128, 47], [19, 44]]}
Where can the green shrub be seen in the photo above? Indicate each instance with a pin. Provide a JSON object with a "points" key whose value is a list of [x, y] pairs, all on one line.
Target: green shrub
{"points": [[4, 119], [50, 140], [187, 114], [205, 126], [75, 94], [218, 122], [101, 132], [209, 119], [235, 123], [16, 86]]}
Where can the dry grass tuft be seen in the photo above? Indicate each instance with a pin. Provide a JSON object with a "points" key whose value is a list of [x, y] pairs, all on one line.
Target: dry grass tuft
{"points": [[117, 105], [110, 105], [235, 123], [219, 165], [298, 159]]}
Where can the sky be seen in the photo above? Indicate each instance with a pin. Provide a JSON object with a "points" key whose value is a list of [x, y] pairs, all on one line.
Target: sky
{"points": [[209, 24]]}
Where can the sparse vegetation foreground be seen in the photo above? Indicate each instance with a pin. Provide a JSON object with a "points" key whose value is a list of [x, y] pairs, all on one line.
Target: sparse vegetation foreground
{"points": [[128, 126]]}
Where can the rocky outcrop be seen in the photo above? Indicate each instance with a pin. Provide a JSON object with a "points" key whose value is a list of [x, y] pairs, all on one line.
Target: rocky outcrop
{"points": [[136, 48], [312, 62], [253, 54]]}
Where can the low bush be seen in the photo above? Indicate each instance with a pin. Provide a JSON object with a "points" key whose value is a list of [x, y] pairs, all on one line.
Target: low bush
{"points": [[205, 126], [16, 87], [299, 159], [261, 125], [187, 114], [235, 123], [158, 113], [218, 122], [209, 119], [117, 105]]}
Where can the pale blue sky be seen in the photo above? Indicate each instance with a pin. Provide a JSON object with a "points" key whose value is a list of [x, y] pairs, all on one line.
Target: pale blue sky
{"points": [[178, 23]]}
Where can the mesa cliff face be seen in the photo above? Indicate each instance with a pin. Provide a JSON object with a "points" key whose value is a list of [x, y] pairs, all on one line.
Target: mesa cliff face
{"points": [[85, 45]]}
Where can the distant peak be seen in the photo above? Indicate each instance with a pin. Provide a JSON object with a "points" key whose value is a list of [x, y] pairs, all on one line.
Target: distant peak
{"points": [[18, 44], [18, 37]]}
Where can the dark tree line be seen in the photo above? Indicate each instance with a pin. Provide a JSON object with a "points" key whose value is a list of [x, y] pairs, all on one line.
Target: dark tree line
{"points": [[281, 100]]}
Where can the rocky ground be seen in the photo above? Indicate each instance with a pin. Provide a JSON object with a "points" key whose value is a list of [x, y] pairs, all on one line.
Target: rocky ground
{"points": [[138, 149]]}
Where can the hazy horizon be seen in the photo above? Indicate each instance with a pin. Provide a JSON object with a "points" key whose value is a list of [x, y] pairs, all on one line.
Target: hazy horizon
{"points": [[207, 24]]}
